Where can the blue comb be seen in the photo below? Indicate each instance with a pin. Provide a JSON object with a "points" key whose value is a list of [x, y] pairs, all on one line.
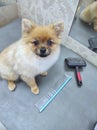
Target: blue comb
{"points": [[59, 85]]}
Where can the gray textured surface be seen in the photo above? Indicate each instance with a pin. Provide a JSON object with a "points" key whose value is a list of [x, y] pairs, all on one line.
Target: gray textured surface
{"points": [[73, 109]]}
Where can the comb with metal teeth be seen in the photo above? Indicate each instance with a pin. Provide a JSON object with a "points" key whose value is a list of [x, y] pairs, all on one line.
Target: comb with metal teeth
{"points": [[59, 85]]}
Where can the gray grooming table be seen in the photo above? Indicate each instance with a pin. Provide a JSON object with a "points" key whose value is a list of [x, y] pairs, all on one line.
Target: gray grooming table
{"points": [[73, 109]]}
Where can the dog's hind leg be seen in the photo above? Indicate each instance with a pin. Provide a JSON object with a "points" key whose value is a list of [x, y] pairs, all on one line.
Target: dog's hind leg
{"points": [[10, 77], [11, 85]]}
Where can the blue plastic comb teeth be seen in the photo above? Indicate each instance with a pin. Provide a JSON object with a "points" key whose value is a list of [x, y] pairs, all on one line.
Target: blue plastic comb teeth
{"points": [[60, 84]]}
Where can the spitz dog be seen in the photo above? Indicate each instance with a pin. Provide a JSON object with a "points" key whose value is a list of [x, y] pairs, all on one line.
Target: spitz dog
{"points": [[33, 54], [89, 14]]}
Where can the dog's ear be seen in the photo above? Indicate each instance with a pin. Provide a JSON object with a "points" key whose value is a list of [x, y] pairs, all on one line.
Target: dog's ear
{"points": [[27, 25], [58, 27]]}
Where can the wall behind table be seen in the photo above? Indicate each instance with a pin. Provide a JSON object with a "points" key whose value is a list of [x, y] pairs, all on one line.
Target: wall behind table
{"points": [[48, 11]]}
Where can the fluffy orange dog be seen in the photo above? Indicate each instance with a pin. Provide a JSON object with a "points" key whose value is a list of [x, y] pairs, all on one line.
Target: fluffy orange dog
{"points": [[33, 54]]}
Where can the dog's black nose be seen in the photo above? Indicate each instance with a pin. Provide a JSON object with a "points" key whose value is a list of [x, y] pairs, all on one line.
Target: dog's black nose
{"points": [[42, 50]]}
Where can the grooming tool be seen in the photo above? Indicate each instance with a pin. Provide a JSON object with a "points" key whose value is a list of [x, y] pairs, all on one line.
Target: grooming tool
{"points": [[76, 63], [59, 85], [93, 43]]}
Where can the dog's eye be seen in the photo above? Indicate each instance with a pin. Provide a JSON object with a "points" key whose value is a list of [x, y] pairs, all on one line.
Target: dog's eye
{"points": [[50, 42], [36, 42]]}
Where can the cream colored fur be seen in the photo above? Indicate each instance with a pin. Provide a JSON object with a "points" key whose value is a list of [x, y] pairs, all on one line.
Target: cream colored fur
{"points": [[15, 61]]}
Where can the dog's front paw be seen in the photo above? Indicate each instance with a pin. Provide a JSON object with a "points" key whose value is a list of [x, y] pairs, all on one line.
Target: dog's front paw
{"points": [[44, 74], [35, 90], [11, 85]]}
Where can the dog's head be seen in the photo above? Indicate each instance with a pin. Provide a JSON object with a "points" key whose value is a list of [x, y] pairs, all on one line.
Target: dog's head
{"points": [[43, 40]]}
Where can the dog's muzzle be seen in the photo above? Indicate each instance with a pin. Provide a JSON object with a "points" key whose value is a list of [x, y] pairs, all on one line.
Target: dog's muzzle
{"points": [[43, 52]]}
